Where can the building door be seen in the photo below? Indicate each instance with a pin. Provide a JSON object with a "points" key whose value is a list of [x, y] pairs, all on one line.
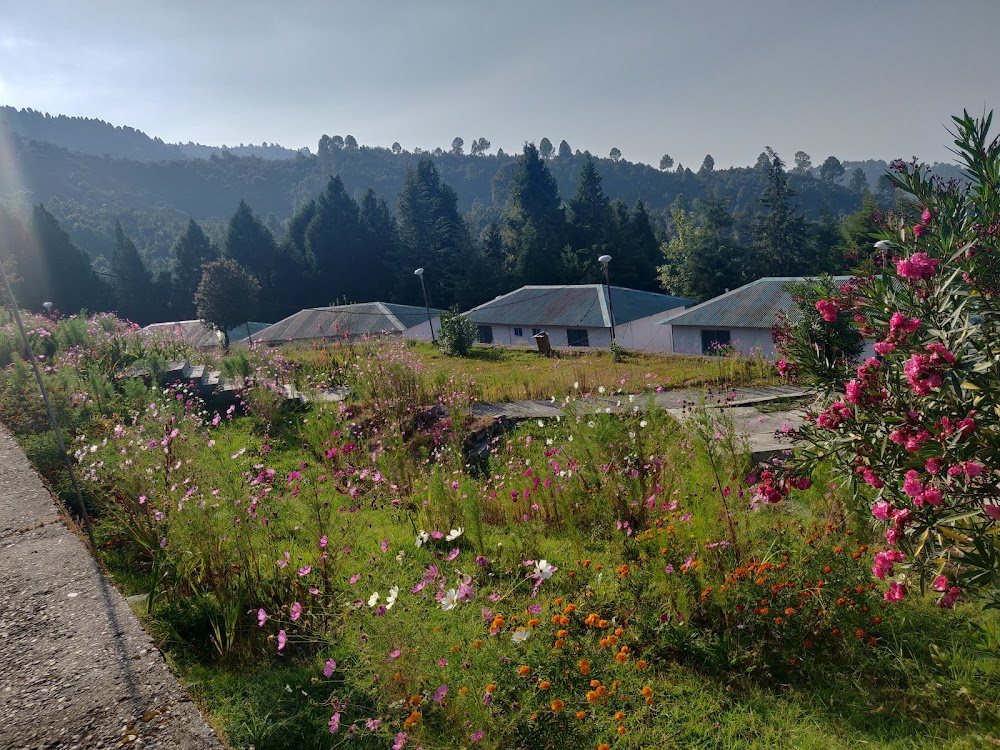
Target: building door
{"points": [[485, 334], [577, 337]]}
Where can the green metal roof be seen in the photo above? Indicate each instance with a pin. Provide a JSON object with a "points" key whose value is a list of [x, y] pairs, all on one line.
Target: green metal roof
{"points": [[755, 305]]}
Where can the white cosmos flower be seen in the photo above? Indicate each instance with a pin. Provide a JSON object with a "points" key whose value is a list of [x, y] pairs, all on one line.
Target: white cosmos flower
{"points": [[576, 386], [391, 599], [450, 600], [600, 389], [631, 398], [422, 537], [590, 424], [519, 635], [548, 441], [541, 423], [643, 423], [631, 435], [373, 599], [544, 570], [570, 438], [454, 534]]}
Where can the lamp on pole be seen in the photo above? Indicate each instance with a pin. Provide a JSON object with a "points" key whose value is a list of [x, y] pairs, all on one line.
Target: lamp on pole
{"points": [[883, 247], [604, 260], [420, 272], [48, 308]]}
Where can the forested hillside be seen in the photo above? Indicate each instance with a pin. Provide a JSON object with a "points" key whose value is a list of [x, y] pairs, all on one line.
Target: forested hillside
{"points": [[351, 222]]}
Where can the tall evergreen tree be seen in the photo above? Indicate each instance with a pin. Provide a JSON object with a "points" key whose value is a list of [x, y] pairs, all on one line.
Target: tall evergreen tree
{"points": [[52, 269], [779, 238], [535, 223], [641, 249], [131, 283], [192, 250], [334, 244], [380, 237], [590, 215], [432, 236], [251, 244]]}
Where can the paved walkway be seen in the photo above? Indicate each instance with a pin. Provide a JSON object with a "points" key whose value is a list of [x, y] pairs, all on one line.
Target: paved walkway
{"points": [[766, 431], [76, 668]]}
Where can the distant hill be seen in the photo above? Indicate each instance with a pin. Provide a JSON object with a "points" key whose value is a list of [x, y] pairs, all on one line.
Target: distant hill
{"points": [[91, 174], [88, 136]]}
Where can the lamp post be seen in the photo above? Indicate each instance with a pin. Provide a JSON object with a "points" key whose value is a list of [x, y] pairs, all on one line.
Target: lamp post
{"points": [[604, 260], [420, 272], [48, 308], [883, 247]]}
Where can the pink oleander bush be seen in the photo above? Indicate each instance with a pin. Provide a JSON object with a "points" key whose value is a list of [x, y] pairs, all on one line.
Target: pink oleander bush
{"points": [[916, 424]]}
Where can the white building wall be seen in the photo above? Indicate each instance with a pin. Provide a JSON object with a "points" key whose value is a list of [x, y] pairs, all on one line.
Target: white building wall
{"points": [[687, 340], [422, 331], [503, 335], [646, 334]]}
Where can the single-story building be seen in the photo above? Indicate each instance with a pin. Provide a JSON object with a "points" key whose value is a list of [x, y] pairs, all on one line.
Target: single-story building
{"points": [[199, 335], [578, 315], [344, 322], [741, 318]]}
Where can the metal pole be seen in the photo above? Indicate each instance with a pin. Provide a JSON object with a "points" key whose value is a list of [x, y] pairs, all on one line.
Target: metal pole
{"points": [[611, 308], [427, 307], [81, 506]]}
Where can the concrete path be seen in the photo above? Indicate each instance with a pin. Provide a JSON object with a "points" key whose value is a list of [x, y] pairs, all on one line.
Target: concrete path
{"points": [[767, 431], [76, 668]]}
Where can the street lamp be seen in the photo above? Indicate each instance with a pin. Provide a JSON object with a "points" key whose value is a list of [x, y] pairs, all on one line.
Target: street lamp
{"points": [[604, 260], [420, 272], [48, 308], [883, 247]]}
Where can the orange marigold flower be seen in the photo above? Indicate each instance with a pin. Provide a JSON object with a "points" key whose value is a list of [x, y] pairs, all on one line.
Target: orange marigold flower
{"points": [[558, 705], [455, 649], [415, 700], [777, 620], [563, 621], [859, 633], [619, 716], [649, 701], [569, 609], [413, 718], [477, 644], [807, 643], [602, 691], [584, 666], [835, 631], [789, 611], [555, 619], [591, 696], [613, 640], [463, 691], [764, 610], [595, 683], [398, 677], [562, 633], [581, 715], [524, 670], [641, 664], [558, 601], [491, 688], [622, 730], [604, 746], [534, 622], [647, 691], [544, 685], [559, 643], [621, 658]]}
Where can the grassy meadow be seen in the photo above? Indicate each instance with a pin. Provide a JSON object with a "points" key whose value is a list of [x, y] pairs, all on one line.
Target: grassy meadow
{"points": [[351, 574]]}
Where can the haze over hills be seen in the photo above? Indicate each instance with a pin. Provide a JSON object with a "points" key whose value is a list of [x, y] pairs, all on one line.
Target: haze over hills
{"points": [[92, 174]]}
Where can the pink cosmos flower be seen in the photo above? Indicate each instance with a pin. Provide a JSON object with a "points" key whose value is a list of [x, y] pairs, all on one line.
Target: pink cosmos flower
{"points": [[452, 555], [329, 667], [296, 612], [282, 640], [335, 723], [261, 618], [440, 693], [384, 545], [305, 570], [476, 736]]}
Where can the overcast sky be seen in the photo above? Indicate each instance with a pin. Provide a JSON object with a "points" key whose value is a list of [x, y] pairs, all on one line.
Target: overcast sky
{"points": [[853, 78]]}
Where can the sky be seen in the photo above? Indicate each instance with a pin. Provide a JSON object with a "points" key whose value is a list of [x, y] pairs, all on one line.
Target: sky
{"points": [[856, 79]]}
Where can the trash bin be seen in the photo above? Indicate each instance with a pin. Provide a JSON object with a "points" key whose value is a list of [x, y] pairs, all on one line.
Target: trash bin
{"points": [[542, 339]]}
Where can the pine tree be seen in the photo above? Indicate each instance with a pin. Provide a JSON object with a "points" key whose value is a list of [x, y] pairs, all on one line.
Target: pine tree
{"points": [[191, 251], [334, 245], [432, 236], [251, 244], [226, 295], [534, 221], [131, 283], [779, 238], [53, 269]]}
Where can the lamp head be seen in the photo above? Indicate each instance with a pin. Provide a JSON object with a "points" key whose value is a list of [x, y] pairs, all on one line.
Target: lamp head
{"points": [[605, 259], [47, 306], [883, 245], [419, 272]]}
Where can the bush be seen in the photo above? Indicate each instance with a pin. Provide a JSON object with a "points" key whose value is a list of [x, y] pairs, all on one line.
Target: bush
{"points": [[458, 333], [917, 429]]}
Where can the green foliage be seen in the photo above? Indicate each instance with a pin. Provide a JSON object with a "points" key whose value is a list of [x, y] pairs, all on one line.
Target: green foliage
{"points": [[226, 295], [458, 333]]}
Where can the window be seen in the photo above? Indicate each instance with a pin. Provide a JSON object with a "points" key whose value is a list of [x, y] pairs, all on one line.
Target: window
{"points": [[712, 342], [519, 332], [577, 337], [535, 331], [485, 334]]}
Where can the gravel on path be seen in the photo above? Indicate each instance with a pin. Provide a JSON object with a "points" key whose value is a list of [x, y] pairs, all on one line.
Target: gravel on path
{"points": [[76, 668]]}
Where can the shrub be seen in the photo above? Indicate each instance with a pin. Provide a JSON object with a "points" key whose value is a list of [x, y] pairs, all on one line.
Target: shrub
{"points": [[917, 429], [458, 333]]}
